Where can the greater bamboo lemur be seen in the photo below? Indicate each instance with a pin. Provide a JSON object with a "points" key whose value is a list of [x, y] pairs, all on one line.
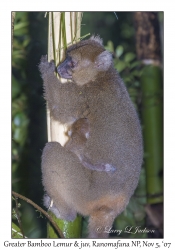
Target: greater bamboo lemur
{"points": [[97, 171]]}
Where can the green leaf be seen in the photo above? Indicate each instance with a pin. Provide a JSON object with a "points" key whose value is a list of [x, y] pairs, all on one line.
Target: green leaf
{"points": [[16, 87], [20, 25], [110, 46], [16, 232], [26, 41], [14, 167], [20, 119], [20, 132], [129, 57], [119, 51], [135, 64], [120, 66]]}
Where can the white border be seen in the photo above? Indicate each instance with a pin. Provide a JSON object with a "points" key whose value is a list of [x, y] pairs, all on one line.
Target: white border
{"points": [[5, 100]]}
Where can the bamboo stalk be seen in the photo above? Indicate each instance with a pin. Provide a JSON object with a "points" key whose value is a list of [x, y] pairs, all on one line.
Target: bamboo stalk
{"points": [[152, 116], [148, 51], [64, 29]]}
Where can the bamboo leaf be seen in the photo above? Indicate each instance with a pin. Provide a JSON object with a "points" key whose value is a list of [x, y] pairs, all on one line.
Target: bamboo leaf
{"points": [[129, 57], [16, 232], [119, 51]]}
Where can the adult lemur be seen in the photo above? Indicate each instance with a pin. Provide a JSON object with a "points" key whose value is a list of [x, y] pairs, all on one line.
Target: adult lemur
{"points": [[97, 171]]}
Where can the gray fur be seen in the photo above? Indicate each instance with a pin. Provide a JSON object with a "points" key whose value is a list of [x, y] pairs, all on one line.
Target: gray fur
{"points": [[114, 139]]}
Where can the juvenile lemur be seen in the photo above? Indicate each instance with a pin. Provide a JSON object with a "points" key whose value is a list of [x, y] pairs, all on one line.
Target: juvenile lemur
{"points": [[97, 171]]}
